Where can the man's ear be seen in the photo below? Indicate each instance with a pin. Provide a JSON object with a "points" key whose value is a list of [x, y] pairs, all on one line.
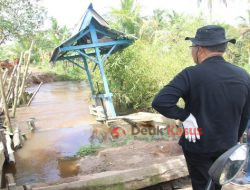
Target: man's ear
{"points": [[203, 51]]}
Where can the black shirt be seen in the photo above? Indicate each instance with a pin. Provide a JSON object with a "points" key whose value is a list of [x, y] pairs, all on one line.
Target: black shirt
{"points": [[217, 93]]}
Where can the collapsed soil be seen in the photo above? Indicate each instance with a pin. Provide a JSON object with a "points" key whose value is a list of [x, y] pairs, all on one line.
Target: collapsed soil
{"points": [[37, 77], [134, 155]]}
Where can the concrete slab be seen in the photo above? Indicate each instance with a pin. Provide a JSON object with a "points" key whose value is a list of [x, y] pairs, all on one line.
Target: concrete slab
{"points": [[130, 179]]}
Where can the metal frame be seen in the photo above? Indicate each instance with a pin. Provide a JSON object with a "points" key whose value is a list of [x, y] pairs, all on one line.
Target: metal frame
{"points": [[99, 61], [89, 29]]}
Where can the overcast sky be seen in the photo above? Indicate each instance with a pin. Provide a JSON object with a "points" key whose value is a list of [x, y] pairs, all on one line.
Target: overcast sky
{"points": [[69, 12]]}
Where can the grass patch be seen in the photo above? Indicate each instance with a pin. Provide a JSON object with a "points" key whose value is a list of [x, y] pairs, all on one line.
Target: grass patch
{"points": [[92, 148], [87, 150]]}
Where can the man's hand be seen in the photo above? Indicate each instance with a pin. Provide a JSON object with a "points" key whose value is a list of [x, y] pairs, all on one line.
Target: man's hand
{"points": [[191, 128]]}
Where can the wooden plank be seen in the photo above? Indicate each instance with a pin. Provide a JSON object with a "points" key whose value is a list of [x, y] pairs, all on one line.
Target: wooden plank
{"points": [[150, 119]]}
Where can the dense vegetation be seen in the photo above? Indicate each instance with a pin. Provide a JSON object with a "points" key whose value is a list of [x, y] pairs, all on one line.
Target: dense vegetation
{"points": [[160, 52], [136, 74]]}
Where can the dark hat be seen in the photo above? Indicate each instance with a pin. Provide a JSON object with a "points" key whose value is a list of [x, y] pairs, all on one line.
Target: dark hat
{"points": [[209, 36]]}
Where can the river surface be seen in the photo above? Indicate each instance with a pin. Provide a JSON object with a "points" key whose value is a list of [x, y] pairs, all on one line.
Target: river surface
{"points": [[63, 125]]}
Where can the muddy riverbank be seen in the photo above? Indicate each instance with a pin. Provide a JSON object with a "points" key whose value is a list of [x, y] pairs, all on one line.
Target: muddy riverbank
{"points": [[63, 125]]}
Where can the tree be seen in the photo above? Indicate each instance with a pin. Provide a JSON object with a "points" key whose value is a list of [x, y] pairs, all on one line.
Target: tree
{"points": [[57, 34], [210, 5], [128, 17], [19, 17], [45, 41], [245, 33]]}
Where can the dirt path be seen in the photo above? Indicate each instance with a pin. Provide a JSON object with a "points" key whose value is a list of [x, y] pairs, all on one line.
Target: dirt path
{"points": [[136, 154]]}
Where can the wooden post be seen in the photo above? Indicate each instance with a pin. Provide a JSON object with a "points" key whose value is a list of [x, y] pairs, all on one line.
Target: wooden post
{"points": [[9, 149], [34, 93], [17, 142], [31, 124], [5, 106], [17, 86], [24, 75], [3, 140]]}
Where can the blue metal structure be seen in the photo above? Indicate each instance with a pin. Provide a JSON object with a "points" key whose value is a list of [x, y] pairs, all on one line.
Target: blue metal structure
{"points": [[94, 42]]}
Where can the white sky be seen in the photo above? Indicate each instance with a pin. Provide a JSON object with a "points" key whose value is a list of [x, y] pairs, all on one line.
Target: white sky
{"points": [[69, 12]]}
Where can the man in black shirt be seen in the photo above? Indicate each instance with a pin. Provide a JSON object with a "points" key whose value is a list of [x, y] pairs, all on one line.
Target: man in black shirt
{"points": [[217, 102]]}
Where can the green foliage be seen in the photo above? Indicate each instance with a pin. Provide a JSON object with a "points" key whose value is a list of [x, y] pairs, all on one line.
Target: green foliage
{"points": [[127, 18], [45, 42], [87, 150], [18, 18], [140, 71], [137, 73]]}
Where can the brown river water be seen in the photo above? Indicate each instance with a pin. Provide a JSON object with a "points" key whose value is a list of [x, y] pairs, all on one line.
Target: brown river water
{"points": [[63, 125]]}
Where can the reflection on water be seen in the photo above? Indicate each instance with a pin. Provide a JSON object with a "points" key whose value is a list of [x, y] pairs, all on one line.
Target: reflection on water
{"points": [[63, 125]]}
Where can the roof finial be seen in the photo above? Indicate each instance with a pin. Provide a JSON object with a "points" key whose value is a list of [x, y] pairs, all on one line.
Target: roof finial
{"points": [[90, 6]]}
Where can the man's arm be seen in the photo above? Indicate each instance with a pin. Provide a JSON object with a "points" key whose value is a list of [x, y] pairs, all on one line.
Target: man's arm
{"points": [[165, 101]]}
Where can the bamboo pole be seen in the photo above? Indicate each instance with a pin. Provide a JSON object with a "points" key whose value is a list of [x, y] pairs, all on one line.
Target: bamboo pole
{"points": [[24, 75], [34, 94], [5, 106], [9, 95], [9, 86], [17, 86], [11, 78], [5, 75]]}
